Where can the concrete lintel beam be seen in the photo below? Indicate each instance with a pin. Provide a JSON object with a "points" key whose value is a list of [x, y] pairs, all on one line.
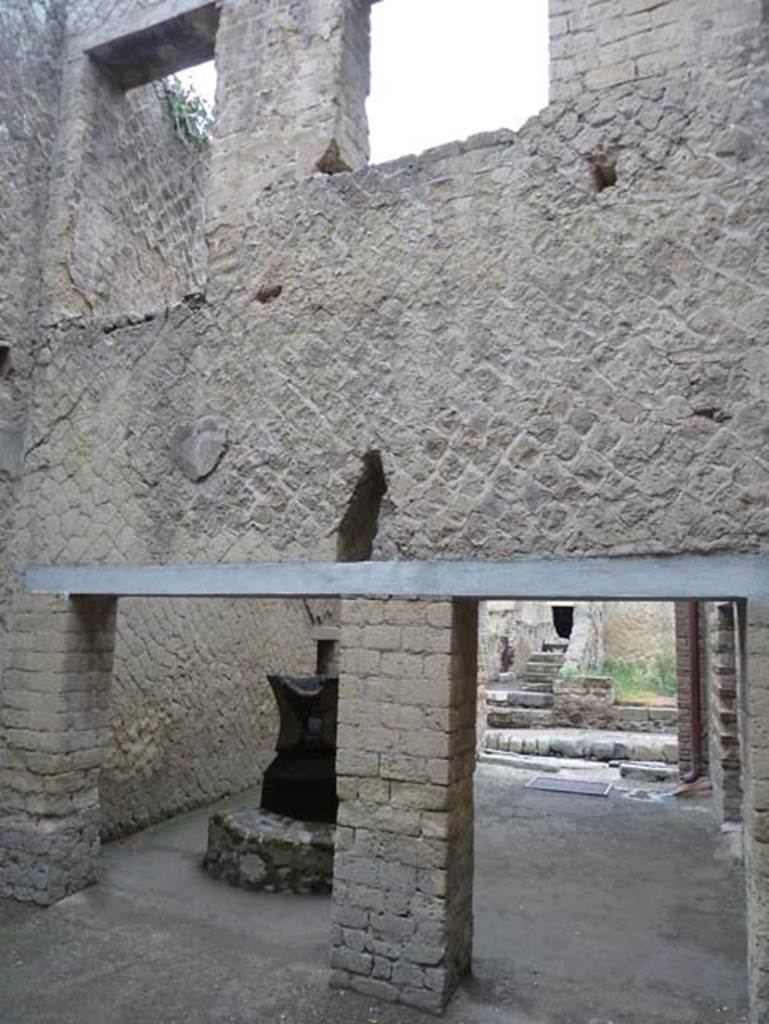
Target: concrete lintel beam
{"points": [[661, 578], [155, 43]]}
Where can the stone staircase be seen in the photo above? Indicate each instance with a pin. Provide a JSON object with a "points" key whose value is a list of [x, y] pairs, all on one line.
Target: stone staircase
{"points": [[530, 706], [520, 721]]}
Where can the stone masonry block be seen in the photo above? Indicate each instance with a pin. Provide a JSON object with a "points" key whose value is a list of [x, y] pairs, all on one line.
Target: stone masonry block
{"points": [[53, 751]]}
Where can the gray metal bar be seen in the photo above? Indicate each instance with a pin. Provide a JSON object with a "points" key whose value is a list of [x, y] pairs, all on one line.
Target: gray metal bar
{"points": [[707, 577]]}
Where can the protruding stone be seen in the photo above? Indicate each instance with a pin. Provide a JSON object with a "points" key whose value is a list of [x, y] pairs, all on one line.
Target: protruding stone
{"points": [[197, 448]]}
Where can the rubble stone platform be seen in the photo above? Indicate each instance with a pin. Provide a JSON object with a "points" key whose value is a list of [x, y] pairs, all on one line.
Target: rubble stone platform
{"points": [[256, 849], [592, 744]]}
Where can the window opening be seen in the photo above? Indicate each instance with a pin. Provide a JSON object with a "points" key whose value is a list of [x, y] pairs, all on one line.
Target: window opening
{"points": [[443, 70]]}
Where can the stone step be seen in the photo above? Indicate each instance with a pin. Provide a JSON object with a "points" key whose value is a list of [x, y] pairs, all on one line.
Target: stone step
{"points": [[555, 646], [518, 699], [538, 687], [519, 718], [546, 658], [536, 672]]}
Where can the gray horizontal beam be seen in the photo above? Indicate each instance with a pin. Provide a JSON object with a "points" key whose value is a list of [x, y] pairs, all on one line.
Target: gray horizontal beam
{"points": [[707, 577]]}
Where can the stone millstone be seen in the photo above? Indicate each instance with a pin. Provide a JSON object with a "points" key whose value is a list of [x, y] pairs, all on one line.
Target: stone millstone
{"points": [[256, 849]]}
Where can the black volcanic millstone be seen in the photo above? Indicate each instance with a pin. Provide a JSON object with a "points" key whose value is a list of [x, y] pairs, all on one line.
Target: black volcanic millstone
{"points": [[301, 782]]}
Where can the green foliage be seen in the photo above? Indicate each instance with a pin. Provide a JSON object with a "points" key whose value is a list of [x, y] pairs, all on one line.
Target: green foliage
{"points": [[192, 120], [635, 681], [568, 670]]}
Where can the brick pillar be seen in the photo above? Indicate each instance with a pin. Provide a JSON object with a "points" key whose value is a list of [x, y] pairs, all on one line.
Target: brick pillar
{"points": [[684, 690], [756, 768], [79, 258], [403, 872], [291, 96], [724, 729], [54, 719]]}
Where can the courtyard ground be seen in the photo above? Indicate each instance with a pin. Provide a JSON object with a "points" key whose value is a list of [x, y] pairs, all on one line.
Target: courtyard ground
{"points": [[588, 911]]}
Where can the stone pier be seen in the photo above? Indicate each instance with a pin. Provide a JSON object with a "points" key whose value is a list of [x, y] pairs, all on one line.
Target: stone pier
{"points": [[403, 919], [54, 713]]}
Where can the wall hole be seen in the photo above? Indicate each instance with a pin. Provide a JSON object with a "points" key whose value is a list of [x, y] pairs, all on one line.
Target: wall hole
{"points": [[604, 167], [5, 360], [269, 293], [331, 162], [327, 661], [360, 523]]}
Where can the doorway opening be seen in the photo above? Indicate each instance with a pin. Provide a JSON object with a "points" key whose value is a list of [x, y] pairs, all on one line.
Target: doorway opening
{"points": [[585, 885]]}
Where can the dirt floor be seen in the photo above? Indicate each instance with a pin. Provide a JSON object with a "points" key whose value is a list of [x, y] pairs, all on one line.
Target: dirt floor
{"points": [[588, 911]]}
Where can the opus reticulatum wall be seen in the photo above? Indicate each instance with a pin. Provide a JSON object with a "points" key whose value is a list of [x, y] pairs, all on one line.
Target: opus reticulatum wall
{"points": [[554, 340]]}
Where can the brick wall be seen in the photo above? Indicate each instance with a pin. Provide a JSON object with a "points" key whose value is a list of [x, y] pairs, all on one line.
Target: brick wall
{"points": [[405, 761], [724, 711], [274, 123]]}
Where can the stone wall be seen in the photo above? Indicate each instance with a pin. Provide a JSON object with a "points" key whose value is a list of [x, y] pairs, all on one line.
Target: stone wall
{"points": [[293, 81], [656, 455], [191, 715], [584, 702], [641, 631], [31, 40], [586, 643], [54, 717], [126, 234], [552, 339], [524, 625], [597, 45], [126, 215]]}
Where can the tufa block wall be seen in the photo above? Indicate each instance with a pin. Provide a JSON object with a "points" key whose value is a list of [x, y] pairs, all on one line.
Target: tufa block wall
{"points": [[405, 761], [596, 45], [191, 715]]}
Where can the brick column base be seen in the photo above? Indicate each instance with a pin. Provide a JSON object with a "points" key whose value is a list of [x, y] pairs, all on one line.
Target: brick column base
{"points": [[54, 718], [403, 869]]}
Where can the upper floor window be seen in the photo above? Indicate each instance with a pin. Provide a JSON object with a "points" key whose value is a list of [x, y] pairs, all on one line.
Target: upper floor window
{"points": [[446, 69]]}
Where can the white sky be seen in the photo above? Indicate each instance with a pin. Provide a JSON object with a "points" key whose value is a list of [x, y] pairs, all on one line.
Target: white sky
{"points": [[445, 69]]}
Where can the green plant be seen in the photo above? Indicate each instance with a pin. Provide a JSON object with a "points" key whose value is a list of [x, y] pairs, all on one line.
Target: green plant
{"points": [[568, 670], [192, 120], [635, 680]]}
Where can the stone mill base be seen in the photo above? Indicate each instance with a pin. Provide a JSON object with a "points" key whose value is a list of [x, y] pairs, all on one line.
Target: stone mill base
{"points": [[256, 849]]}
